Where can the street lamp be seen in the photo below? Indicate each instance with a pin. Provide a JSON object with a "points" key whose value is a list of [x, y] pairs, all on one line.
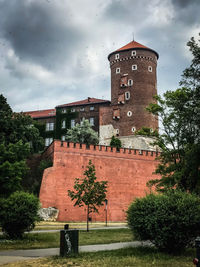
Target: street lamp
{"points": [[106, 203]]}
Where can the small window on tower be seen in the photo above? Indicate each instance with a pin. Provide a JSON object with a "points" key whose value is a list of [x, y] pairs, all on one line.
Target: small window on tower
{"points": [[127, 95], [117, 56], [130, 82], [116, 114], [123, 81], [117, 70], [133, 129], [121, 99], [150, 69], [129, 113], [134, 67], [133, 53]]}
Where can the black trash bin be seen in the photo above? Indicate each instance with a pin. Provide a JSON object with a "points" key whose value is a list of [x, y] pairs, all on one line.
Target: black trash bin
{"points": [[68, 242], [196, 261]]}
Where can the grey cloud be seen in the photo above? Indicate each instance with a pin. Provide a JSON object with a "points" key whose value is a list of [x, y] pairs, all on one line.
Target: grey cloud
{"points": [[187, 12], [184, 3], [126, 11], [38, 33]]}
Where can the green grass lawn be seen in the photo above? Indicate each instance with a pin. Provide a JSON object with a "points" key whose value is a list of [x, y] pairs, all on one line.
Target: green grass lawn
{"points": [[52, 240], [60, 225], [138, 257]]}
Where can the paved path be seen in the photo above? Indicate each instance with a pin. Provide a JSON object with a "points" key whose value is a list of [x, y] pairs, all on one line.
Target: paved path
{"points": [[17, 255]]}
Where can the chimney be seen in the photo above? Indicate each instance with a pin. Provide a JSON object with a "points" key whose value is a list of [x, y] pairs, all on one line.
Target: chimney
{"points": [[89, 99]]}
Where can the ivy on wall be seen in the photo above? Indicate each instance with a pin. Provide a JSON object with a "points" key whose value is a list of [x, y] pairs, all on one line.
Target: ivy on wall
{"points": [[60, 117], [42, 128]]}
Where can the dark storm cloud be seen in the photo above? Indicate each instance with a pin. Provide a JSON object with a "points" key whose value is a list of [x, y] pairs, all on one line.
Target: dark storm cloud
{"points": [[184, 3], [125, 11], [37, 32], [187, 12]]}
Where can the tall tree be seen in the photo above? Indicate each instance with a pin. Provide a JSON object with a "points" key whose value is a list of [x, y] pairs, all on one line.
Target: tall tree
{"points": [[179, 112], [191, 75], [82, 133], [12, 167], [88, 191], [18, 138], [18, 126]]}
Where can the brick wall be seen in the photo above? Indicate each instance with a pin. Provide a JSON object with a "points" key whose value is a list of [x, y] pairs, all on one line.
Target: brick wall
{"points": [[132, 110], [126, 171]]}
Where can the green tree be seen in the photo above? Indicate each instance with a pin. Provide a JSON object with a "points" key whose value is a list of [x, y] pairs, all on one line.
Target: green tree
{"points": [[115, 142], [191, 75], [170, 221], [179, 141], [179, 112], [18, 126], [18, 214], [82, 133], [12, 167], [88, 191], [18, 138]]}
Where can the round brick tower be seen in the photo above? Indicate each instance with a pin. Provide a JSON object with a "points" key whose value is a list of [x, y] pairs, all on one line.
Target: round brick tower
{"points": [[133, 85]]}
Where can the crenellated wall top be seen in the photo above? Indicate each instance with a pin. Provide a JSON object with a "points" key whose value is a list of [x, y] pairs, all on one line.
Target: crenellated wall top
{"points": [[68, 147]]}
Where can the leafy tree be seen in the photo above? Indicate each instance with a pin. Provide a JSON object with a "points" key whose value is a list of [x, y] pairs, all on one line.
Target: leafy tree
{"points": [[12, 167], [171, 221], [88, 191], [191, 75], [115, 142], [82, 133], [18, 214], [179, 141], [179, 112], [18, 138], [18, 126]]}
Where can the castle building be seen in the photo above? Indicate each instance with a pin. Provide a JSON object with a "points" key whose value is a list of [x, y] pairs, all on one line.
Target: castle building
{"points": [[133, 85], [127, 170], [57, 121]]}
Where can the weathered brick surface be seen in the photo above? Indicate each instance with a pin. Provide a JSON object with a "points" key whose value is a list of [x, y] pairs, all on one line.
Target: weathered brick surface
{"points": [[142, 90], [126, 172]]}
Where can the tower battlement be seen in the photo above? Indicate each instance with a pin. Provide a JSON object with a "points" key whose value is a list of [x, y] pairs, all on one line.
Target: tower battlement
{"points": [[98, 150]]}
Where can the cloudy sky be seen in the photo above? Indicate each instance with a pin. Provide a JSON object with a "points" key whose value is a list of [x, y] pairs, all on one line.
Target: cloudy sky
{"points": [[55, 51]]}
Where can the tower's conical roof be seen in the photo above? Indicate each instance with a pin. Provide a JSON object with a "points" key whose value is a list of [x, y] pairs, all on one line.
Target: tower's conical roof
{"points": [[133, 45]]}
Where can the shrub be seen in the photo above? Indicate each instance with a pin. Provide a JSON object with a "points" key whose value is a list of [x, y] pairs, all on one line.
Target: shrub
{"points": [[115, 142], [170, 221], [18, 214]]}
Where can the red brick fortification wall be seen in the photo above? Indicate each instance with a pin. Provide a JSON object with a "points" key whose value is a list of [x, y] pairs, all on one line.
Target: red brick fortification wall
{"points": [[126, 171]]}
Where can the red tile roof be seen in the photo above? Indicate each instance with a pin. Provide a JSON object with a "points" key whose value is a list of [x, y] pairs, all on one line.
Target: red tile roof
{"points": [[132, 45], [87, 101], [41, 113], [52, 112]]}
